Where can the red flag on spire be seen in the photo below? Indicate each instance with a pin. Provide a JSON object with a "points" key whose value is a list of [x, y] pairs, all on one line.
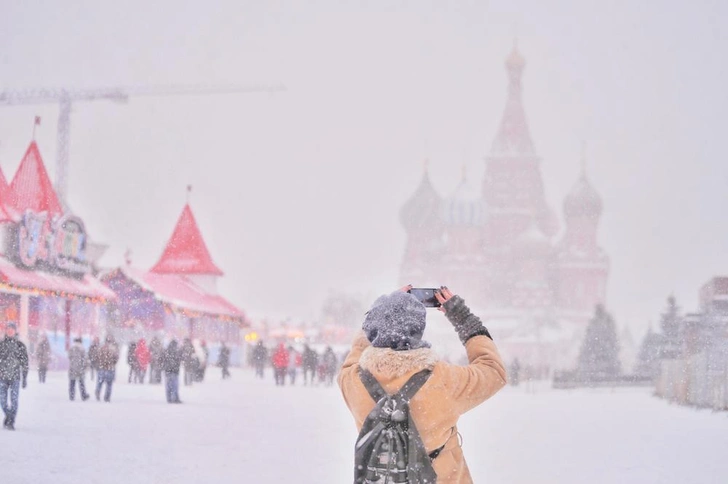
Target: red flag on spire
{"points": [[37, 120]]}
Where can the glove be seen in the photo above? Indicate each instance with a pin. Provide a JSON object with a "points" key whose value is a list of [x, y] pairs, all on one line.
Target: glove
{"points": [[465, 323], [25, 382]]}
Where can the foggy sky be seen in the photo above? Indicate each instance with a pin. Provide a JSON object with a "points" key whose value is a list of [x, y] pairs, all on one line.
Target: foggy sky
{"points": [[298, 193]]}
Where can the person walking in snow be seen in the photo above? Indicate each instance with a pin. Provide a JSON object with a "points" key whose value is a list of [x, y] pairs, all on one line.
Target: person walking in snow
{"points": [[515, 372], [280, 364], [260, 358], [294, 361], [131, 360], [310, 363], [108, 357], [330, 364], [77, 370], [142, 357], [223, 361], [156, 351], [391, 351], [43, 358], [205, 360], [173, 357], [188, 360], [93, 357], [13, 370]]}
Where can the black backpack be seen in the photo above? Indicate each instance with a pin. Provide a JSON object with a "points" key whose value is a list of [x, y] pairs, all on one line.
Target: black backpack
{"points": [[389, 448]]}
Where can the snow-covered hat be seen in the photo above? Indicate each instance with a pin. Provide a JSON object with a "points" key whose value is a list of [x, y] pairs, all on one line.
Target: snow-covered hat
{"points": [[396, 321]]}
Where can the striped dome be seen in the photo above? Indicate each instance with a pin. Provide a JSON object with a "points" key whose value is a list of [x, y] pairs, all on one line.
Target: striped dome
{"points": [[465, 207]]}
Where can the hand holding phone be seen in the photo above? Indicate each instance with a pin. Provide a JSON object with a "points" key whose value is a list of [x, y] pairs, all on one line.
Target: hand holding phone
{"points": [[426, 296]]}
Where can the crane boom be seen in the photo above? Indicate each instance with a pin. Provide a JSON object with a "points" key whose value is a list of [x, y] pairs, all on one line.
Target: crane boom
{"points": [[49, 96], [66, 97]]}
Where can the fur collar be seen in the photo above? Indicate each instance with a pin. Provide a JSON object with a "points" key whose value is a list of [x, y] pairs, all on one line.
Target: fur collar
{"points": [[386, 361]]}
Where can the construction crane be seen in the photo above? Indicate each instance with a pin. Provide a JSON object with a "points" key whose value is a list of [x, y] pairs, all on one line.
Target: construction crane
{"points": [[66, 97]]}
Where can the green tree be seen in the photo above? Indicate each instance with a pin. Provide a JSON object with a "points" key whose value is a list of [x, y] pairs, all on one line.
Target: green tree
{"points": [[599, 355], [670, 320], [648, 358]]}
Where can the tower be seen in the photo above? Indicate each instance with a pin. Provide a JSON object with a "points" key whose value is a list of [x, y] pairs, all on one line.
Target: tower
{"points": [[582, 265], [464, 216], [513, 187]]}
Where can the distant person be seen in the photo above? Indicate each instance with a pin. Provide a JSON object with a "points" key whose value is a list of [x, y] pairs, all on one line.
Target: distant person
{"points": [[93, 357], [108, 358], [396, 387], [43, 358], [156, 351], [142, 357], [514, 373], [260, 359], [13, 370], [330, 364], [223, 361], [294, 361], [188, 360], [310, 363], [204, 362], [172, 361], [77, 370], [280, 364], [131, 359]]}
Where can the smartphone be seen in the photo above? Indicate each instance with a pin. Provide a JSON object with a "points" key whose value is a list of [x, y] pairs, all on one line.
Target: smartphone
{"points": [[426, 296]]}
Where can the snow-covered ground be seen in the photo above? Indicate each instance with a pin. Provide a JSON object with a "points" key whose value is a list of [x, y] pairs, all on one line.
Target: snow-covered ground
{"points": [[245, 430]]}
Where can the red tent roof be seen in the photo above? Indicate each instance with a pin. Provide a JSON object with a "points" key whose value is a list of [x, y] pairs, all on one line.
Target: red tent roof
{"points": [[186, 252], [31, 188], [181, 292], [6, 213]]}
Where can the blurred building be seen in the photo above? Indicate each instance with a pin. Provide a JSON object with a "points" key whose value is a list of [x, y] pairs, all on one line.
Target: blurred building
{"points": [[694, 371], [48, 283], [500, 244]]}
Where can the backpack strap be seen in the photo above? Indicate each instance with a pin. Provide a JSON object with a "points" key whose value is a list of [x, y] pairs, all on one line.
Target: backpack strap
{"points": [[407, 391], [412, 385], [372, 385]]}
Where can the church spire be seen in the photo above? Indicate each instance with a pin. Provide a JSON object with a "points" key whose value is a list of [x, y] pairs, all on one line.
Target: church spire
{"points": [[514, 137], [515, 63]]}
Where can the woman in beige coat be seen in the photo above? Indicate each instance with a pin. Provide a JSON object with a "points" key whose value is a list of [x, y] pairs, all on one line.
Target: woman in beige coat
{"points": [[392, 350]]}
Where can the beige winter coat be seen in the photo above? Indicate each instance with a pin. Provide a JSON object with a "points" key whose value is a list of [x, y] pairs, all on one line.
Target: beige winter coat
{"points": [[451, 391]]}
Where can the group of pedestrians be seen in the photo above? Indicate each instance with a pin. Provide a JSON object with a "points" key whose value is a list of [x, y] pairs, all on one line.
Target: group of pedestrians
{"points": [[142, 357], [286, 363]]}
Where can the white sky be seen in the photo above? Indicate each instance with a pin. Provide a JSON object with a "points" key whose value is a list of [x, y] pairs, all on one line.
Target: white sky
{"points": [[299, 193]]}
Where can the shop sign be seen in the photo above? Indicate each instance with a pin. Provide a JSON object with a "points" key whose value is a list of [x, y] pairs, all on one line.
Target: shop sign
{"points": [[53, 245]]}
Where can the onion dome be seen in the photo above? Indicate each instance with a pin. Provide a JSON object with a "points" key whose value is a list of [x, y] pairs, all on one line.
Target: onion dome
{"points": [[422, 210], [533, 241], [583, 200], [465, 207]]}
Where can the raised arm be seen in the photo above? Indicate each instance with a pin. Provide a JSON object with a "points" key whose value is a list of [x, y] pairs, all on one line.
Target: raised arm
{"points": [[485, 373]]}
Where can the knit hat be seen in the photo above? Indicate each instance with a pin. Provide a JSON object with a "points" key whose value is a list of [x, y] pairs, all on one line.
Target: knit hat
{"points": [[396, 321]]}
